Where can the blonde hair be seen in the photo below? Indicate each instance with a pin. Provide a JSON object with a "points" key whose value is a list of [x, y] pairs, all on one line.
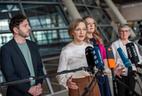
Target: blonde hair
{"points": [[86, 17], [96, 33]]}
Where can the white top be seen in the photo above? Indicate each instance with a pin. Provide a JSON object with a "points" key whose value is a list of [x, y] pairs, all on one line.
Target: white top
{"points": [[115, 45], [72, 57]]}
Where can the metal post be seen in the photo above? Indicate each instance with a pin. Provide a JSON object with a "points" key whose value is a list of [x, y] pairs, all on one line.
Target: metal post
{"points": [[48, 81], [117, 13], [72, 10]]}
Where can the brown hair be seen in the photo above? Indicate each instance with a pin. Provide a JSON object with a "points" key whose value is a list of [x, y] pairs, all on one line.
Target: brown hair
{"points": [[15, 21], [73, 25]]}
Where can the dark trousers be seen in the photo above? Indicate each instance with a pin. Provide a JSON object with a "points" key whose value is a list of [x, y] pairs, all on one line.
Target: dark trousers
{"points": [[104, 85], [130, 82]]}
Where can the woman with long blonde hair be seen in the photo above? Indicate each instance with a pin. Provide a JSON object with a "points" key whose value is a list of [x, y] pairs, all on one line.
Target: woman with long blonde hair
{"points": [[94, 37]]}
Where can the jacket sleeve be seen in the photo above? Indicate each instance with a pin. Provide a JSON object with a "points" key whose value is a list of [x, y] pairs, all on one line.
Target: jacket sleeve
{"points": [[8, 69], [63, 64]]}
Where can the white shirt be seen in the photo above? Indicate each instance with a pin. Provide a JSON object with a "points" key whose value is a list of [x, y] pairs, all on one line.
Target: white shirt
{"points": [[72, 57], [115, 45]]}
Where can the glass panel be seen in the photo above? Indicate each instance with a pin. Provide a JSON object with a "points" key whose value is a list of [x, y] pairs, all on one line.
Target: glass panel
{"points": [[82, 10], [4, 24], [64, 36], [51, 37], [48, 22], [7, 11], [106, 33], [100, 16], [5, 38], [137, 28], [90, 2], [44, 16]]}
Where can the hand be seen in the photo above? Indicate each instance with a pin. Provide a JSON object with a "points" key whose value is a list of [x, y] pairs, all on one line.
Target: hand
{"points": [[70, 84], [35, 90], [118, 71], [32, 90], [38, 89]]}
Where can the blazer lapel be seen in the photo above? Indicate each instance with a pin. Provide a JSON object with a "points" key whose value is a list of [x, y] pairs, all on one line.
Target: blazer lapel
{"points": [[14, 44]]}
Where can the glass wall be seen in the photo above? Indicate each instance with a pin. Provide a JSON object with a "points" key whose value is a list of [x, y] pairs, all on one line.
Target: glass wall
{"points": [[49, 19], [46, 21]]}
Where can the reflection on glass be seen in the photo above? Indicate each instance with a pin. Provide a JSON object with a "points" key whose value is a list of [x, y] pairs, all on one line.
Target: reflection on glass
{"points": [[43, 16], [7, 11], [51, 37], [100, 16], [5, 38], [107, 32]]}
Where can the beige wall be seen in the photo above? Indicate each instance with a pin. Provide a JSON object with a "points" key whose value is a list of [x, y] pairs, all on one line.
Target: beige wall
{"points": [[132, 11]]}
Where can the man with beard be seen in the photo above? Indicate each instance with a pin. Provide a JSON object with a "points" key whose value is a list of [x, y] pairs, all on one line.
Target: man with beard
{"points": [[20, 59]]}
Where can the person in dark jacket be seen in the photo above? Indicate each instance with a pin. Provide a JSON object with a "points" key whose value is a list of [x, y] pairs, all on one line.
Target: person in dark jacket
{"points": [[20, 59]]}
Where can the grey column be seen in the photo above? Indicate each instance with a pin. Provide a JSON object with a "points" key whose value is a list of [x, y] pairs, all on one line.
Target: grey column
{"points": [[117, 13], [71, 8]]}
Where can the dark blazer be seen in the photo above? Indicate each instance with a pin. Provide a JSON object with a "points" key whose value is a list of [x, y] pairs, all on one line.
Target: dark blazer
{"points": [[14, 67]]}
